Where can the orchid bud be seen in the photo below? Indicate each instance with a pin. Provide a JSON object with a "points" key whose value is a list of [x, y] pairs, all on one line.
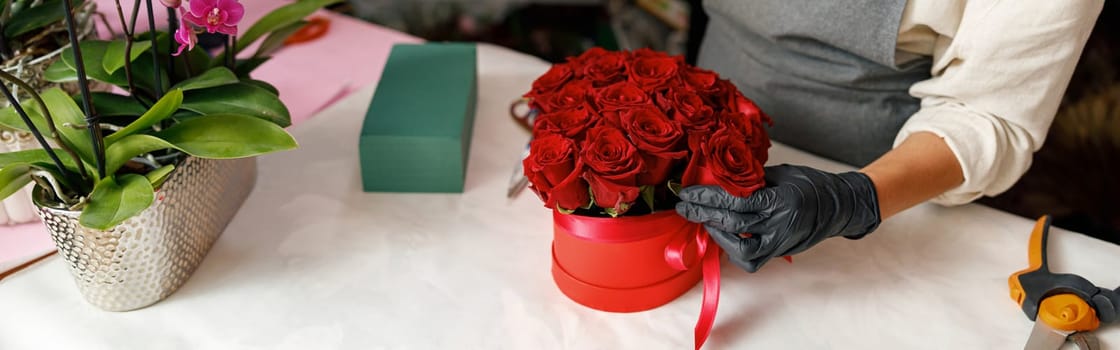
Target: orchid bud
{"points": [[172, 3]]}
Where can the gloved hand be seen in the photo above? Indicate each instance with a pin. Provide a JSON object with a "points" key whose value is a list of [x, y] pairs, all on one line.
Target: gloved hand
{"points": [[798, 208]]}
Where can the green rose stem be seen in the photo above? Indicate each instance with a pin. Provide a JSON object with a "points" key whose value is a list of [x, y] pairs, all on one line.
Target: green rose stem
{"points": [[31, 126], [91, 115], [155, 50], [46, 116]]}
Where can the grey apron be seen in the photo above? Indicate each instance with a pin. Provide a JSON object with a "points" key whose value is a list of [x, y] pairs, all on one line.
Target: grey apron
{"points": [[824, 70]]}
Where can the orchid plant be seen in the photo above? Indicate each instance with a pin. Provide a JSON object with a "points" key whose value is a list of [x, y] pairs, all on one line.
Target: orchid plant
{"points": [[105, 153], [22, 24]]}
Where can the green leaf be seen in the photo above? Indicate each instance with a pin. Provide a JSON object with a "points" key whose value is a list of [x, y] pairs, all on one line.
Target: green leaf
{"points": [[115, 199], [226, 136], [122, 151], [564, 211], [612, 212], [263, 85], [246, 66], [616, 212], [114, 54], [64, 111], [10, 118], [280, 18], [675, 187], [241, 98], [13, 178], [93, 51], [159, 111], [275, 40], [34, 18], [215, 136], [216, 76], [112, 105], [37, 155], [158, 176], [647, 196], [59, 72]]}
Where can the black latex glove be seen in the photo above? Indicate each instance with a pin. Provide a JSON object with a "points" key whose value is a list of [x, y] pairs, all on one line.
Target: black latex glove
{"points": [[798, 208]]}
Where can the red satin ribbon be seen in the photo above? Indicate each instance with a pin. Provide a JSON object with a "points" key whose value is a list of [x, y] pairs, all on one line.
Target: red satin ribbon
{"points": [[618, 230], [709, 253]]}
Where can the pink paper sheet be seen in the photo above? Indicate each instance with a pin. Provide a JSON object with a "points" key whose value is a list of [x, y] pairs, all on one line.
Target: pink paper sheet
{"points": [[309, 76]]}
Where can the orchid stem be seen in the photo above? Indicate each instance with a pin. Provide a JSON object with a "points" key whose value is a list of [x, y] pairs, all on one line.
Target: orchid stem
{"points": [[46, 116], [135, 14], [92, 123], [155, 50], [172, 25], [34, 131], [128, 53]]}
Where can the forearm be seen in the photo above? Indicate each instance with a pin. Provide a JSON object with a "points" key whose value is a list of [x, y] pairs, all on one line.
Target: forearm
{"points": [[920, 168]]}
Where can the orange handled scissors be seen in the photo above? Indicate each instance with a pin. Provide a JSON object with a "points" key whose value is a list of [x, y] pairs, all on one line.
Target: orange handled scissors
{"points": [[1065, 307]]}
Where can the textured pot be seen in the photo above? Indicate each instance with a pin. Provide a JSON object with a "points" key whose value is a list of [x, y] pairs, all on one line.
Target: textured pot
{"points": [[148, 257]]}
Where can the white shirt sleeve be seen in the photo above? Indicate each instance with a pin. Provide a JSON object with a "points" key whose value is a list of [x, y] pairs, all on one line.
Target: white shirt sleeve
{"points": [[997, 82]]}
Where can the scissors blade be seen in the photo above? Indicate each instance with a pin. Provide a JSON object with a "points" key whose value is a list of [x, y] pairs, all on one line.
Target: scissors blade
{"points": [[1043, 337], [517, 180]]}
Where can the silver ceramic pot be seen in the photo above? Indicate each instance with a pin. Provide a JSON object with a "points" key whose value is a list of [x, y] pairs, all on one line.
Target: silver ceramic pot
{"points": [[148, 257]]}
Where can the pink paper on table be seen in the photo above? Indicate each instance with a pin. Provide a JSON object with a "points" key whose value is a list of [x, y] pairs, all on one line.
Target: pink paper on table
{"points": [[23, 243], [309, 76], [314, 74]]}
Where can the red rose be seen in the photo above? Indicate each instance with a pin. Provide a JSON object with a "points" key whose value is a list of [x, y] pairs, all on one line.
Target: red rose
{"points": [[621, 96], [552, 80], [696, 117], [571, 123], [605, 69], [724, 96], [701, 80], [553, 169], [658, 138], [653, 73], [584, 58], [613, 165], [751, 129], [572, 95], [728, 161], [688, 108]]}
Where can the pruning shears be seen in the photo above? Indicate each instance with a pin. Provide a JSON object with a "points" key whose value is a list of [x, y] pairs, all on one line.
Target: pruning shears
{"points": [[1065, 307], [518, 181]]}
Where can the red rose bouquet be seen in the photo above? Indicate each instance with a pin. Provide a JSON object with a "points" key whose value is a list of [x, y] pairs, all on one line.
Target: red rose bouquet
{"points": [[614, 136], [617, 130]]}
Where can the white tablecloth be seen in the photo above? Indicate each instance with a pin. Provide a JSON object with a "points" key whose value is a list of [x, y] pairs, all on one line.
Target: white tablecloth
{"points": [[312, 262]]}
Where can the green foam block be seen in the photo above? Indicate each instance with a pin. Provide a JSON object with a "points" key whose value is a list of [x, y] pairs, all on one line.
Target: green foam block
{"points": [[416, 136]]}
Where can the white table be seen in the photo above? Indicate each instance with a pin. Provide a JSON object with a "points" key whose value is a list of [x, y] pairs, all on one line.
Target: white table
{"points": [[312, 262]]}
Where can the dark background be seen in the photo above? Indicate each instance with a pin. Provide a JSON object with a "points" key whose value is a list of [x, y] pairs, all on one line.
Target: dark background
{"points": [[1073, 176]]}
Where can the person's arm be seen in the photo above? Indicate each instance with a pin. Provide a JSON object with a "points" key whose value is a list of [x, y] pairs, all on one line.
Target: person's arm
{"points": [[920, 168], [998, 79]]}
